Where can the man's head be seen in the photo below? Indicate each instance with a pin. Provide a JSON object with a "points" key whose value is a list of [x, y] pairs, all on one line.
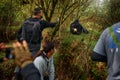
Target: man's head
{"points": [[48, 47], [38, 12]]}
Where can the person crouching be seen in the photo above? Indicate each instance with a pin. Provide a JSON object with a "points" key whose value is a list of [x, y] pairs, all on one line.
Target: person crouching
{"points": [[43, 61]]}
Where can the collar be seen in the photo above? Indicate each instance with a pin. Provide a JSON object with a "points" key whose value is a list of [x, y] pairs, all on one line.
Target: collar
{"points": [[44, 53]]}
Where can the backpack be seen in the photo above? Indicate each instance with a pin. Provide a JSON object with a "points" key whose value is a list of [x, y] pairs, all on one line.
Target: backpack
{"points": [[30, 31], [77, 28]]}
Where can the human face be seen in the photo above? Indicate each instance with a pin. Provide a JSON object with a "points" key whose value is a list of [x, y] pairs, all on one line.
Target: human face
{"points": [[40, 14], [50, 53]]}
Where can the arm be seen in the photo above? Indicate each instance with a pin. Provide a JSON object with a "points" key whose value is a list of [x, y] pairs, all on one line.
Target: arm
{"points": [[23, 33], [39, 65], [29, 72], [46, 24], [97, 57], [99, 52], [51, 76]]}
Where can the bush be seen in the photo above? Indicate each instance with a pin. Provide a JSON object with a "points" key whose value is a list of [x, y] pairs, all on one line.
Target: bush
{"points": [[73, 62], [8, 10], [7, 70]]}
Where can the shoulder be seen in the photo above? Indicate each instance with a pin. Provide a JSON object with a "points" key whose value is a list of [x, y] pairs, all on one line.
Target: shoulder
{"points": [[33, 19], [116, 25], [105, 33], [39, 59], [43, 21], [28, 19], [39, 62]]}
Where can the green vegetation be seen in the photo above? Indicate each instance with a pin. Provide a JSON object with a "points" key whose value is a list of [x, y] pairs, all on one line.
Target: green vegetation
{"points": [[72, 58]]}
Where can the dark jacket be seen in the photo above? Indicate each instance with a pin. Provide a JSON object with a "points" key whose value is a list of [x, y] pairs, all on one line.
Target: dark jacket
{"points": [[97, 57], [45, 24], [34, 44], [29, 72], [28, 33]]}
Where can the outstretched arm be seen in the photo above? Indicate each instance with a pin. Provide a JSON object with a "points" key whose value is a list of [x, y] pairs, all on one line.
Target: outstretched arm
{"points": [[46, 24]]}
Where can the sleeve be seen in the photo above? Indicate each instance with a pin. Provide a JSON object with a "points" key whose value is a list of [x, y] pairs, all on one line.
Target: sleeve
{"points": [[23, 33], [51, 76], [46, 24], [29, 72], [39, 65], [100, 46], [97, 57]]}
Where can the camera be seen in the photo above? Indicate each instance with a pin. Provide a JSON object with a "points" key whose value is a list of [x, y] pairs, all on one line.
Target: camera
{"points": [[7, 50], [8, 53]]}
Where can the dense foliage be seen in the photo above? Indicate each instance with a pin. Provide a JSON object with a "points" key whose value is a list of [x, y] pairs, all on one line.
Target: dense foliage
{"points": [[8, 13], [72, 59]]}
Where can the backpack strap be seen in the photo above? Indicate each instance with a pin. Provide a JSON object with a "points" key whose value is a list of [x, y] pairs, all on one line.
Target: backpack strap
{"points": [[35, 23], [114, 36]]}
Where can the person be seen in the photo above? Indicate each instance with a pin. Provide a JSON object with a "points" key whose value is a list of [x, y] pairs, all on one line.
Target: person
{"points": [[44, 61], [7, 51], [107, 50], [23, 59], [31, 30]]}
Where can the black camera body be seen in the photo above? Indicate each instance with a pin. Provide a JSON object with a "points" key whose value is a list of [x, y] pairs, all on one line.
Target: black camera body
{"points": [[8, 53]]}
